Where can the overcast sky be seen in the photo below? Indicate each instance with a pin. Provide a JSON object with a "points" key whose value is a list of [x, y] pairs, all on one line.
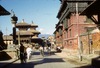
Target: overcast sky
{"points": [[41, 12]]}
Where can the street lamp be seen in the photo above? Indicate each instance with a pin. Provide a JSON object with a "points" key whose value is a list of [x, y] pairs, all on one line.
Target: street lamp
{"points": [[14, 20]]}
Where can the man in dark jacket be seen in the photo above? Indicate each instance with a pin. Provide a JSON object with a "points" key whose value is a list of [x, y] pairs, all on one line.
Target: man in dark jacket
{"points": [[22, 54]]}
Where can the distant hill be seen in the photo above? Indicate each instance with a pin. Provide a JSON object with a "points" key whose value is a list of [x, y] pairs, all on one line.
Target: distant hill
{"points": [[44, 35]]}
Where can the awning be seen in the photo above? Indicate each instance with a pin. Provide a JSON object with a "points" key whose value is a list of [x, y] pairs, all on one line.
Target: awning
{"points": [[3, 11]]}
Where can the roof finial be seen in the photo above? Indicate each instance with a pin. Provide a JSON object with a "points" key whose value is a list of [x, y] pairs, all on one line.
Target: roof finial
{"points": [[22, 20], [32, 22]]}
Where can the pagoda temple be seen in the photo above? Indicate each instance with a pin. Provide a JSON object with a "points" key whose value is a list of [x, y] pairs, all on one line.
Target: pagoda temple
{"points": [[26, 32]]}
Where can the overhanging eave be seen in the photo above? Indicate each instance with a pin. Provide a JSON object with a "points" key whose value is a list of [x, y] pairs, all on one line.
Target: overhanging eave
{"points": [[92, 9], [3, 11]]}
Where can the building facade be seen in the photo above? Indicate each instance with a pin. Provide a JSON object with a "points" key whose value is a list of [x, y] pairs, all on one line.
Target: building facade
{"points": [[71, 25]]}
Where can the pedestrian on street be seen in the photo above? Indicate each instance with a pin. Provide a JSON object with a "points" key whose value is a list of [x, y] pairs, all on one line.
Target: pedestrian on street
{"points": [[29, 52], [49, 47], [41, 51], [49, 50], [22, 54]]}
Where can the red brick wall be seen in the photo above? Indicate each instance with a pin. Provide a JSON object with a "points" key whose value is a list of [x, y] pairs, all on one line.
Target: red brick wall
{"points": [[85, 44], [96, 41], [71, 41]]}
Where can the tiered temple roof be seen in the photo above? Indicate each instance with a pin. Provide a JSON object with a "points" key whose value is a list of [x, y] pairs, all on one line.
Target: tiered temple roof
{"points": [[27, 31]]}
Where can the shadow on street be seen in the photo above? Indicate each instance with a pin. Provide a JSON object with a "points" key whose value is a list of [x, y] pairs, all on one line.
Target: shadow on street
{"points": [[47, 59], [32, 63]]}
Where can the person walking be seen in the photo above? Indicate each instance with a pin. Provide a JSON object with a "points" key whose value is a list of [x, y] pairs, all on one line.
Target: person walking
{"points": [[29, 52], [41, 51], [22, 54], [49, 47]]}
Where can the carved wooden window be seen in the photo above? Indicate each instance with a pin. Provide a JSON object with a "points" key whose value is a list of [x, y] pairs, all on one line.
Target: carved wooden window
{"points": [[65, 23], [60, 31]]}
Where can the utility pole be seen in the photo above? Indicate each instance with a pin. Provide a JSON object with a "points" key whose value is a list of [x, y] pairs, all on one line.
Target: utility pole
{"points": [[78, 39]]}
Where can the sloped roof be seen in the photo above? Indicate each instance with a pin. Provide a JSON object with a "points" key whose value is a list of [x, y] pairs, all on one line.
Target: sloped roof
{"points": [[92, 9], [36, 39], [34, 25], [64, 4], [24, 33], [34, 31], [22, 24], [3, 11], [7, 37]]}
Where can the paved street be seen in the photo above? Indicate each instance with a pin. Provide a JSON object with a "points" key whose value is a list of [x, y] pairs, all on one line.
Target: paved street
{"points": [[48, 61]]}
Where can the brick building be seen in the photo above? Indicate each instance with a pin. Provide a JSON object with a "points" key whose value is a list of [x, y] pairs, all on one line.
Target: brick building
{"points": [[89, 12], [71, 25]]}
